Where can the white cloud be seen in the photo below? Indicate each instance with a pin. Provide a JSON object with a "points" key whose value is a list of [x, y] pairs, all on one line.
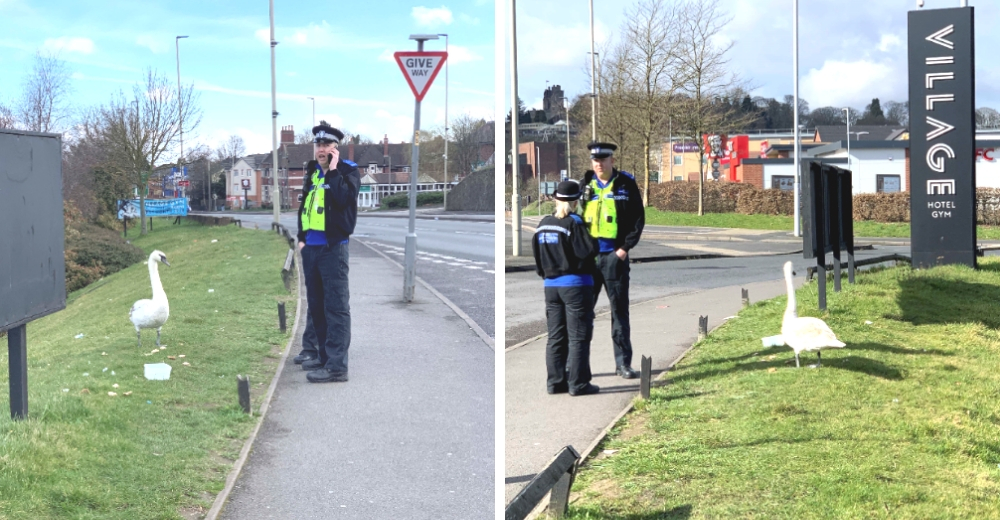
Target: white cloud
{"points": [[468, 19], [387, 55], [458, 54], [556, 45], [889, 42], [431, 17], [263, 35], [156, 44], [840, 83], [68, 44]]}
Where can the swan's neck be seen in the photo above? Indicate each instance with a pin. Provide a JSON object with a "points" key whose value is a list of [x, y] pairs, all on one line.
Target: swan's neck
{"points": [[790, 308], [154, 279]]}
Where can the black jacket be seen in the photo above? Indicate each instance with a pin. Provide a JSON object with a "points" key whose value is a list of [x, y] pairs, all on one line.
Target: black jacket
{"points": [[341, 202], [563, 246], [628, 205]]}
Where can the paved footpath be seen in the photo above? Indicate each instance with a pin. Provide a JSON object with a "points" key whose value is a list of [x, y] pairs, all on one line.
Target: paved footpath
{"points": [[411, 435], [538, 425]]}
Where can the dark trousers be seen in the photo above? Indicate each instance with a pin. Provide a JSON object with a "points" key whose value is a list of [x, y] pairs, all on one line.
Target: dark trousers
{"points": [[309, 340], [570, 315], [328, 294], [612, 275]]}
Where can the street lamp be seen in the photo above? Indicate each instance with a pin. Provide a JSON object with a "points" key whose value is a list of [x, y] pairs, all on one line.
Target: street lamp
{"points": [[515, 202], [847, 117], [538, 176], [180, 106], [445, 122], [313, 123], [593, 82], [795, 108], [276, 200]]}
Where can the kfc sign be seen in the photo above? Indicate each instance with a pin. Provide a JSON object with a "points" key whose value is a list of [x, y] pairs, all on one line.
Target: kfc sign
{"points": [[986, 153]]}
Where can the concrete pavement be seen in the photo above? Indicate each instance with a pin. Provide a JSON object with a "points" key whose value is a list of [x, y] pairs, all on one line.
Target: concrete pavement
{"points": [[537, 425], [411, 435]]}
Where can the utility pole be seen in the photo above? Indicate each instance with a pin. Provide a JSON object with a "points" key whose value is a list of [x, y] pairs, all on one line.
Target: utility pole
{"points": [[593, 82], [515, 199], [180, 106], [275, 196], [445, 124], [795, 116]]}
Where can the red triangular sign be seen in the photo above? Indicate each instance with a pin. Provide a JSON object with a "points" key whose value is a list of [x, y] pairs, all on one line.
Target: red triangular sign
{"points": [[420, 69]]}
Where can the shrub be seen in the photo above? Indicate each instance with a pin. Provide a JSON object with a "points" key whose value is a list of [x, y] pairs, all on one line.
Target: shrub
{"points": [[93, 252], [882, 207], [402, 200], [766, 202]]}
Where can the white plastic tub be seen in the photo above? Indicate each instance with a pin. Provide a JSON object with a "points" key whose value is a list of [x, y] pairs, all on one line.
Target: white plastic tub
{"points": [[157, 371]]}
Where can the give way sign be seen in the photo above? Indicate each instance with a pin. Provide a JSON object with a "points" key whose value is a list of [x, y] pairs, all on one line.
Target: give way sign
{"points": [[420, 69]]}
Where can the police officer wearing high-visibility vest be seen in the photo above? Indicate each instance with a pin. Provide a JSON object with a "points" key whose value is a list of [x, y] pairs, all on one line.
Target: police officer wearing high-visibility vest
{"points": [[613, 211], [564, 256], [327, 217]]}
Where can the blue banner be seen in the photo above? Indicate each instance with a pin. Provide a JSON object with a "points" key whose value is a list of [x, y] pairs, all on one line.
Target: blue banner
{"points": [[154, 208]]}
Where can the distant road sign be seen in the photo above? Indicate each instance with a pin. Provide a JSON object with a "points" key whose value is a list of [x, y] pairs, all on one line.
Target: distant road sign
{"points": [[245, 183], [420, 69], [184, 183]]}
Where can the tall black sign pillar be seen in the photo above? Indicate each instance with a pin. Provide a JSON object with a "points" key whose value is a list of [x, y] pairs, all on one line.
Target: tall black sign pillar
{"points": [[942, 137]]}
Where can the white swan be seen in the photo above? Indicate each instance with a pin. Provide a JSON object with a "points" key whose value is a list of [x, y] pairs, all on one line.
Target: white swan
{"points": [[804, 334], [151, 314]]}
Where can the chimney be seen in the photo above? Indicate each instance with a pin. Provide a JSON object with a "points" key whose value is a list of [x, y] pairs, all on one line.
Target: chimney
{"points": [[350, 150], [385, 145], [288, 134]]}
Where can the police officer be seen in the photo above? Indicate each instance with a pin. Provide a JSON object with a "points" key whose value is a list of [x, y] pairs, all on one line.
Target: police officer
{"points": [[327, 217], [564, 256], [615, 216]]}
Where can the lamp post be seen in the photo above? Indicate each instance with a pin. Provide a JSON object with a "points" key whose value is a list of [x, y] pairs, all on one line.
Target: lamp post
{"points": [[593, 82], [515, 199], [569, 172], [538, 177], [795, 108], [847, 117], [313, 123], [445, 123], [276, 200], [180, 105]]}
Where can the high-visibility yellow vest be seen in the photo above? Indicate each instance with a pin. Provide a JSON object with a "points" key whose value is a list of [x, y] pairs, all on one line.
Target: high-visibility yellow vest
{"points": [[313, 218], [601, 214]]}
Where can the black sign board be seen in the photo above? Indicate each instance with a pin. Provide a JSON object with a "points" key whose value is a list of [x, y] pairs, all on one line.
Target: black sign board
{"points": [[827, 220], [942, 137]]}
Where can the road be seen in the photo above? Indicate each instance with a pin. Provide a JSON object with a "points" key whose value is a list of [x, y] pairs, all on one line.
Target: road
{"points": [[456, 257]]}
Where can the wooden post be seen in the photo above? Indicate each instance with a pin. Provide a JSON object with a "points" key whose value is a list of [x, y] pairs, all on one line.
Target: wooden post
{"points": [[243, 390], [17, 359], [821, 280], [645, 376], [702, 327], [281, 316], [746, 297]]}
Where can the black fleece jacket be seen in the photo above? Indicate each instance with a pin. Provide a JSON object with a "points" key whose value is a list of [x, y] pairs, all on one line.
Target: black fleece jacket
{"points": [[563, 246], [341, 202]]}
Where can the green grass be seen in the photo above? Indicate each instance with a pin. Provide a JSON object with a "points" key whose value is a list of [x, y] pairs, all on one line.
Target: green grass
{"points": [[165, 450], [901, 423]]}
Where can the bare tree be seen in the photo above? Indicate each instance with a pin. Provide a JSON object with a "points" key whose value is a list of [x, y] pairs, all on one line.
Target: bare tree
{"points": [[464, 145], [304, 137], [987, 117], [43, 103], [648, 60], [898, 112], [140, 129], [231, 149], [7, 119], [709, 83]]}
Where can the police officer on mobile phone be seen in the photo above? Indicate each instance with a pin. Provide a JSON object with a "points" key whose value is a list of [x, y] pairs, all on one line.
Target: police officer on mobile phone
{"points": [[614, 214], [327, 217]]}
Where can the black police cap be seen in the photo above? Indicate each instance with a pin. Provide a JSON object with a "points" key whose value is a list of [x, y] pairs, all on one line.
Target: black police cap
{"points": [[324, 133], [568, 190], [601, 150]]}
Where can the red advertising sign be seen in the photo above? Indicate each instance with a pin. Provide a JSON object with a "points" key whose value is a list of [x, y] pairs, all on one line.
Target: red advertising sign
{"points": [[420, 69], [184, 184]]}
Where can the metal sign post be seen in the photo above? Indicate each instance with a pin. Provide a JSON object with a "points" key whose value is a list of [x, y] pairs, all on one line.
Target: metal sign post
{"points": [[420, 68], [246, 193]]}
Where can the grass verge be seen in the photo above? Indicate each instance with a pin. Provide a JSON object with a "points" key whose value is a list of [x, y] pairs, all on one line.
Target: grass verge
{"points": [[164, 450], [901, 423]]}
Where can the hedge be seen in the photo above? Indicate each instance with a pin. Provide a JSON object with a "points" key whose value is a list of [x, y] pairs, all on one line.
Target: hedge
{"points": [[746, 199], [402, 200]]}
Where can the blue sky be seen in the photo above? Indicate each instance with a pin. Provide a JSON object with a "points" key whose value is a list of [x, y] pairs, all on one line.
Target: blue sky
{"points": [[850, 51], [338, 52]]}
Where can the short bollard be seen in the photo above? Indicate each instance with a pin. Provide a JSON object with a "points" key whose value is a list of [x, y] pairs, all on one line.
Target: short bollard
{"points": [[702, 327], [243, 389], [645, 376], [746, 297], [281, 316]]}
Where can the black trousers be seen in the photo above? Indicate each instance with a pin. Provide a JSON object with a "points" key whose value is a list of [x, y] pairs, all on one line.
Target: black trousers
{"points": [[570, 315], [612, 275], [329, 296], [309, 338]]}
